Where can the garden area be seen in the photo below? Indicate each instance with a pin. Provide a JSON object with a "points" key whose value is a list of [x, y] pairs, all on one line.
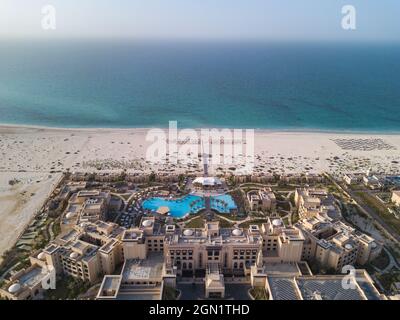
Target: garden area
{"points": [[381, 261], [256, 221], [197, 222], [387, 279], [67, 288]]}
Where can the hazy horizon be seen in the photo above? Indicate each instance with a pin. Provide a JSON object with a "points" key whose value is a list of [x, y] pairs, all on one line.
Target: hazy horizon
{"points": [[223, 20]]}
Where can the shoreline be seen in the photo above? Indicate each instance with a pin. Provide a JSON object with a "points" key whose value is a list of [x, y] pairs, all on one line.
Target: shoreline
{"points": [[5, 126]]}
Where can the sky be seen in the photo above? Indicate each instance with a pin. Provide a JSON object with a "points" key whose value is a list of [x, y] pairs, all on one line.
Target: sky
{"points": [[309, 20]]}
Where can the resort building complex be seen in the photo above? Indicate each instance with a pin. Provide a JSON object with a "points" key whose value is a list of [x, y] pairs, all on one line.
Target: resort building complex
{"points": [[141, 260], [334, 245]]}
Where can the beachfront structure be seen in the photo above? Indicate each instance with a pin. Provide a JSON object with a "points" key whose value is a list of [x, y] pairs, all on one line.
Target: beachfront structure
{"points": [[308, 201], [261, 200], [333, 245], [353, 178], [70, 188], [207, 183], [396, 197], [316, 202], [94, 205], [87, 206], [372, 182]]}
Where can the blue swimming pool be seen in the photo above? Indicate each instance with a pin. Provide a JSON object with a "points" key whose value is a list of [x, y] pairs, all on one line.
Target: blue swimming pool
{"points": [[190, 204]]}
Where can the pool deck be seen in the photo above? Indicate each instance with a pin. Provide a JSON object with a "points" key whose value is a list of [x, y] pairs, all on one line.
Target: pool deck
{"points": [[190, 204]]}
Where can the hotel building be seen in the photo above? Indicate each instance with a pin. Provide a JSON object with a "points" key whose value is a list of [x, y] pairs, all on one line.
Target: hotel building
{"points": [[155, 254], [88, 251], [333, 245], [315, 202], [261, 200]]}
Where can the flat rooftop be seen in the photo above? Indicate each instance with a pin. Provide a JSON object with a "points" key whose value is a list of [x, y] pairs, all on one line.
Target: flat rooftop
{"points": [[327, 288], [323, 287], [283, 288], [141, 270], [32, 277], [282, 268], [109, 287], [88, 193]]}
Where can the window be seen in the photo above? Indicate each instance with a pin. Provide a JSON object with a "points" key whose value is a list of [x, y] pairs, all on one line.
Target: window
{"points": [[200, 260], [225, 260]]}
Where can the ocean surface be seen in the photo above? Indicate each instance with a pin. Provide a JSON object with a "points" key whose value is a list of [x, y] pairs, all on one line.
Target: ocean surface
{"points": [[127, 83]]}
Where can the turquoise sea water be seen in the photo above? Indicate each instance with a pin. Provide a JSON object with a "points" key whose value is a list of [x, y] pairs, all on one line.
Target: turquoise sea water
{"points": [[190, 204], [242, 85]]}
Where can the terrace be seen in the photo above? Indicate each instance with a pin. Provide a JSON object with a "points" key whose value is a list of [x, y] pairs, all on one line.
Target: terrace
{"points": [[109, 287], [143, 272]]}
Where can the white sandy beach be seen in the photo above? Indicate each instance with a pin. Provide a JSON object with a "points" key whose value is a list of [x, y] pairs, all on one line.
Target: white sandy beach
{"points": [[35, 156]]}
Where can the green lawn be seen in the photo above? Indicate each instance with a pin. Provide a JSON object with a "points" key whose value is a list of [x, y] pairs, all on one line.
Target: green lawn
{"points": [[197, 222], [223, 223]]}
